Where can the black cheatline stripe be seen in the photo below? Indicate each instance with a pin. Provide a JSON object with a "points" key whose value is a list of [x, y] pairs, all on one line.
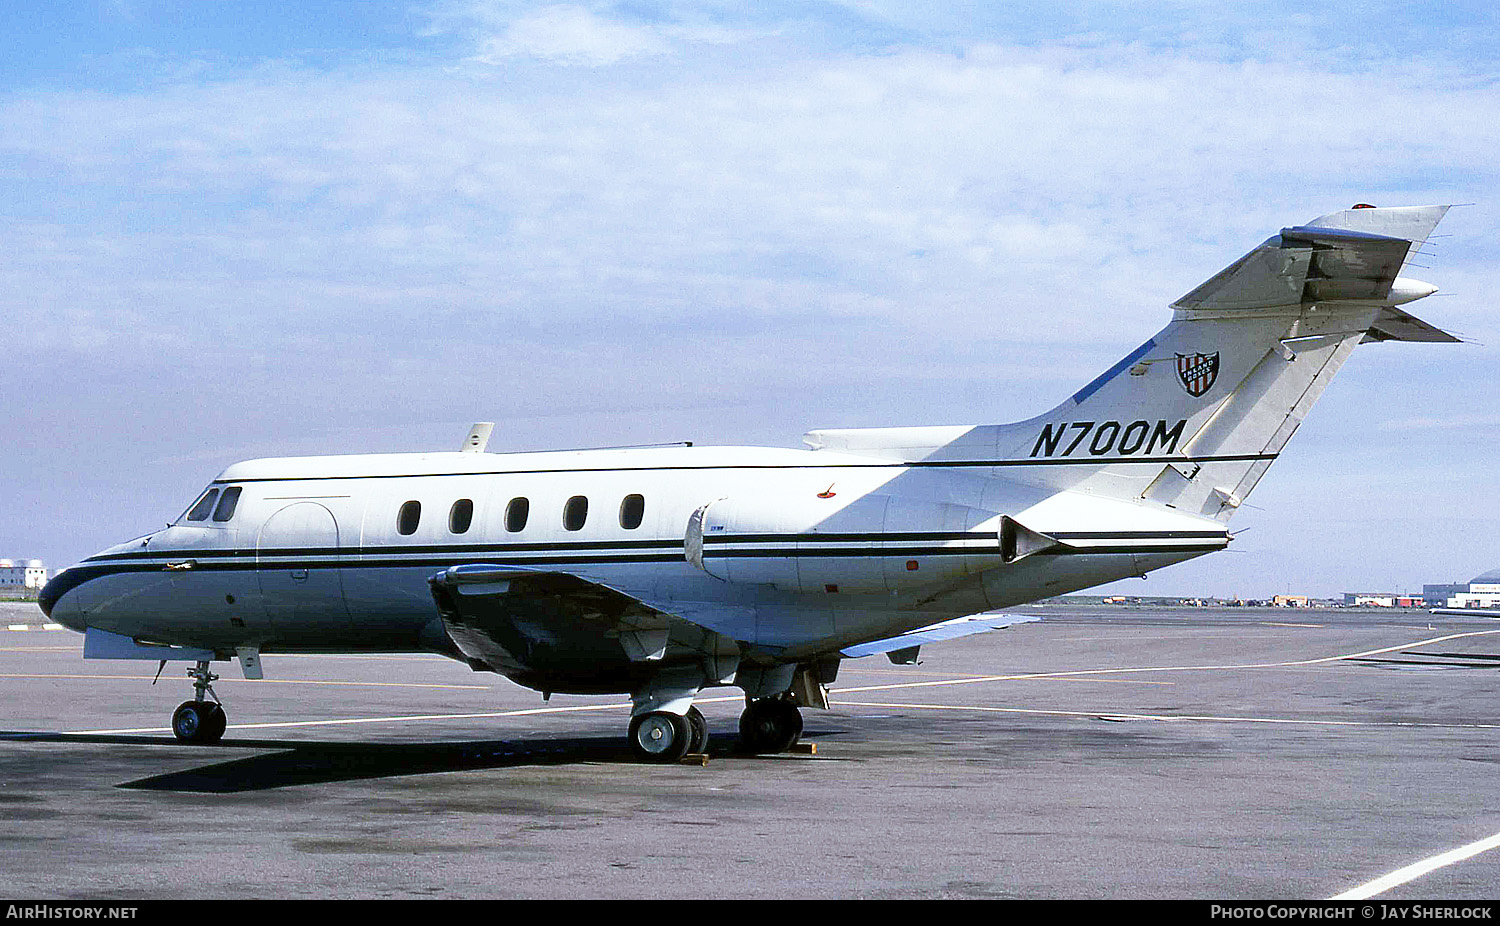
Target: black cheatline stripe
{"points": [[898, 552], [854, 552], [1139, 535], [942, 536], [873, 464], [452, 549], [82, 573], [852, 537], [1067, 461], [446, 561], [1125, 548], [620, 547]]}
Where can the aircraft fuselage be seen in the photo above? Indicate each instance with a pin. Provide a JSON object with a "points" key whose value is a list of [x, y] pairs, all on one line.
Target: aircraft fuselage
{"points": [[334, 554]]}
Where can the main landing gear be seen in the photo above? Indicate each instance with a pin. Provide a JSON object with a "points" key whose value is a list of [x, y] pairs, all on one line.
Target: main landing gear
{"points": [[200, 720], [662, 736], [770, 725]]}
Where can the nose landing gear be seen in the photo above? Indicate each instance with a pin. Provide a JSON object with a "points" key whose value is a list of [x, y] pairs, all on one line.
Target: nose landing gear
{"points": [[200, 720]]}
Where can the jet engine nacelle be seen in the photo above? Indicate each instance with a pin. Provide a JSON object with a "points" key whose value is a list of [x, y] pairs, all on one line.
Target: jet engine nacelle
{"points": [[872, 543]]}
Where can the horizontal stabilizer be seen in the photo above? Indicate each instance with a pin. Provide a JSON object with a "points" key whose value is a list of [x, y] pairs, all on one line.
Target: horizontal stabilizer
{"points": [[947, 630], [1395, 325], [1350, 256]]}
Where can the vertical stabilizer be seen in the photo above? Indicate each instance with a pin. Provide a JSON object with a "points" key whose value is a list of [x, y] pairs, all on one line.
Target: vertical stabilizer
{"points": [[1194, 416]]}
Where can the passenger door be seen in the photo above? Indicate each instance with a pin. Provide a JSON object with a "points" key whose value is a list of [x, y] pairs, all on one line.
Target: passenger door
{"points": [[297, 565]]}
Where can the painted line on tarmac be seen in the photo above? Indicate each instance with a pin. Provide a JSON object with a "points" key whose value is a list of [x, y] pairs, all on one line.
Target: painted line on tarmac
{"points": [[403, 718], [1417, 869], [38, 649], [261, 681], [1143, 669], [838, 691], [1199, 718]]}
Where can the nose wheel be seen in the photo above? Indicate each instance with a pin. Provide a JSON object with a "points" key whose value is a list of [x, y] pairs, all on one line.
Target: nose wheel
{"points": [[200, 720]]}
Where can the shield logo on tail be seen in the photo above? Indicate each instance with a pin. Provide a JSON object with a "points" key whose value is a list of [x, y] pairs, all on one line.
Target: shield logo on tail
{"points": [[1197, 372]]}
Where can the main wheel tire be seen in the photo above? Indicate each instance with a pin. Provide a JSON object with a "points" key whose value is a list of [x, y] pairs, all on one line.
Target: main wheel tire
{"points": [[198, 722], [770, 725], [660, 736], [698, 742]]}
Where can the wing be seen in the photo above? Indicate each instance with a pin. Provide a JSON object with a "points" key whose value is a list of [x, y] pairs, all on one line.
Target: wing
{"points": [[506, 618], [495, 613], [902, 649]]}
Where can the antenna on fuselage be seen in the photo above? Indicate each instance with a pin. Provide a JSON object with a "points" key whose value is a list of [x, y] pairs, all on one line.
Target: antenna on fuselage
{"points": [[479, 437]]}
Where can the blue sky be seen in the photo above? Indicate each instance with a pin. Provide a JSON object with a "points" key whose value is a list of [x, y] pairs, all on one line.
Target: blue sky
{"points": [[234, 230]]}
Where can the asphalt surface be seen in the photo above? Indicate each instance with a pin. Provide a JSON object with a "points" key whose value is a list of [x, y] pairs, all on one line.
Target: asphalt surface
{"points": [[1101, 753]]}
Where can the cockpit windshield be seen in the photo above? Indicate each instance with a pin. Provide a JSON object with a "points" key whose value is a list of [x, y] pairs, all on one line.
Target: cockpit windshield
{"points": [[203, 506], [215, 503]]}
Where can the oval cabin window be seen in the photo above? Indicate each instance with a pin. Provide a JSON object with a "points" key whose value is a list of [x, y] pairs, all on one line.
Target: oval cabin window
{"points": [[408, 518], [575, 513], [632, 511], [461, 515], [516, 513]]}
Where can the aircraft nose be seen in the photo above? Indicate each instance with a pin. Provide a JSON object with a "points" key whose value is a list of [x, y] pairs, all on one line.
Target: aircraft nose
{"points": [[48, 596], [54, 602]]}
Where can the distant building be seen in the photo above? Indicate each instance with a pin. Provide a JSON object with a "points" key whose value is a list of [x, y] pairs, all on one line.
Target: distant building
{"points": [[1381, 600], [1290, 601], [30, 574], [1436, 596], [1482, 592]]}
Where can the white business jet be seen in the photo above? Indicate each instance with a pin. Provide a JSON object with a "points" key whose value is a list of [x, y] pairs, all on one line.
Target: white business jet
{"points": [[658, 572]]}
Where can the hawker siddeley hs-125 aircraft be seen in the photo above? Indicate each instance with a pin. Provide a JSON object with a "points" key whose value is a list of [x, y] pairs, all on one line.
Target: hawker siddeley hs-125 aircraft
{"points": [[659, 572]]}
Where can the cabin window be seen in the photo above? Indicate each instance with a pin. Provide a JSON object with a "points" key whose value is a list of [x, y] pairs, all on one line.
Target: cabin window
{"points": [[225, 510], [408, 518], [204, 505], [575, 512], [632, 510], [461, 515], [516, 513]]}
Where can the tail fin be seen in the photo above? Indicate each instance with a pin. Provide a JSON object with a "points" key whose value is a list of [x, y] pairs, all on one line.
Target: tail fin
{"points": [[1193, 417]]}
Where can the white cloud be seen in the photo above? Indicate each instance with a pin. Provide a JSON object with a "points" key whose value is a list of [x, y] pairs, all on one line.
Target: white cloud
{"points": [[570, 35], [822, 239], [580, 34]]}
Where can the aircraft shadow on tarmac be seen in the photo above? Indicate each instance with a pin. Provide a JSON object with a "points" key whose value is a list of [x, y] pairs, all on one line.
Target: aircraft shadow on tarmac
{"points": [[303, 763], [1445, 660]]}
